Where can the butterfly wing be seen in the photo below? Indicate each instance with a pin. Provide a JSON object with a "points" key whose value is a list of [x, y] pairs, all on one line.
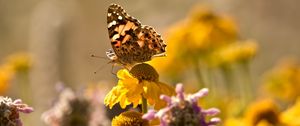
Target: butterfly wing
{"points": [[151, 41], [131, 42]]}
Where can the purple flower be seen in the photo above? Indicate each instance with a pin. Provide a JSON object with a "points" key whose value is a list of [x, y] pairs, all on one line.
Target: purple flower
{"points": [[183, 110], [9, 111], [77, 109], [69, 110]]}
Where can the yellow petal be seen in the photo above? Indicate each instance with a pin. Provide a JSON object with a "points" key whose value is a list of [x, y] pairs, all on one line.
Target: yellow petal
{"points": [[123, 74], [123, 100], [135, 94], [112, 97], [150, 92], [153, 90]]}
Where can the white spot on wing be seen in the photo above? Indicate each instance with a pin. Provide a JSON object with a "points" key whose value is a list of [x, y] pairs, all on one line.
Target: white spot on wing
{"points": [[109, 14], [120, 17], [111, 24], [116, 36]]}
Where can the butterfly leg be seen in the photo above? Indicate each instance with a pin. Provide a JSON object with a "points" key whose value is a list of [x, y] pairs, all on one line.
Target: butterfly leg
{"points": [[112, 70]]}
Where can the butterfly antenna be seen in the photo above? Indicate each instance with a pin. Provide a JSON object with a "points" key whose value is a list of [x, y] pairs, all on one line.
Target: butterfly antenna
{"points": [[100, 57]]}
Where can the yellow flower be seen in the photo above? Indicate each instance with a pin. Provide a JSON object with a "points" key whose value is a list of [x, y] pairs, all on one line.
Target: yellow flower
{"points": [[291, 116], [283, 81], [174, 57], [14, 63], [262, 112], [141, 81], [194, 38], [19, 61], [207, 30], [6, 75], [129, 118], [235, 122], [233, 53]]}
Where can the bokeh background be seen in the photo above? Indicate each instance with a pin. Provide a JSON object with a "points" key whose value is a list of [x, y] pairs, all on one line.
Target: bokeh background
{"points": [[60, 35]]}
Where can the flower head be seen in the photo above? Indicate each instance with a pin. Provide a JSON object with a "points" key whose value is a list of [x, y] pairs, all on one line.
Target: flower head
{"points": [[78, 109], [184, 110], [291, 116], [283, 81], [6, 75], [95, 94], [140, 81], [263, 111], [9, 111], [234, 53], [19, 62], [70, 110], [259, 113], [130, 118], [197, 36]]}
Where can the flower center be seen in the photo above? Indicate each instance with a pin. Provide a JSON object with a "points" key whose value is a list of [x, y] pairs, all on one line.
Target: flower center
{"points": [[144, 71], [269, 115], [129, 118], [184, 115]]}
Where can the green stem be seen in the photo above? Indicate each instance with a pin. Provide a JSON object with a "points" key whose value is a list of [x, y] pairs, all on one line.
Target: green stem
{"points": [[247, 83], [228, 77], [198, 74], [144, 105]]}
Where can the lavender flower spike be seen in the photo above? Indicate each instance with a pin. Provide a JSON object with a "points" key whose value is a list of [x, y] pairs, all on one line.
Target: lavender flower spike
{"points": [[183, 110], [10, 110]]}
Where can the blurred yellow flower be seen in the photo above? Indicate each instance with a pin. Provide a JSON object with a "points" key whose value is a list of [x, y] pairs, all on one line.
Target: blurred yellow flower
{"points": [[194, 38], [204, 31], [242, 51], [262, 113], [20, 61], [141, 81], [235, 122], [291, 116], [207, 30], [12, 64], [283, 81], [174, 57], [6, 75]]}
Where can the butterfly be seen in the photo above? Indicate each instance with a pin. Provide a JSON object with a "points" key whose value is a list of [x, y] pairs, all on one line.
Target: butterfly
{"points": [[131, 42]]}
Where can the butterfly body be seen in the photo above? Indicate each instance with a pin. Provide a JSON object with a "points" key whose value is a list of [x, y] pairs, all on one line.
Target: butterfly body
{"points": [[131, 41]]}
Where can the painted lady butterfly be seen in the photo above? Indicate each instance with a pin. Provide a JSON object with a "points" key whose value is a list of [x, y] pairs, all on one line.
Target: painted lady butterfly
{"points": [[132, 42]]}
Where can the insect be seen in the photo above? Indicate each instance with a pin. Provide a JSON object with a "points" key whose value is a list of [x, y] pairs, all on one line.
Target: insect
{"points": [[131, 41]]}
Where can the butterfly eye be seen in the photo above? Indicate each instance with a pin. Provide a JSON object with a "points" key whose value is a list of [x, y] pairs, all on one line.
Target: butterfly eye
{"points": [[114, 43]]}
